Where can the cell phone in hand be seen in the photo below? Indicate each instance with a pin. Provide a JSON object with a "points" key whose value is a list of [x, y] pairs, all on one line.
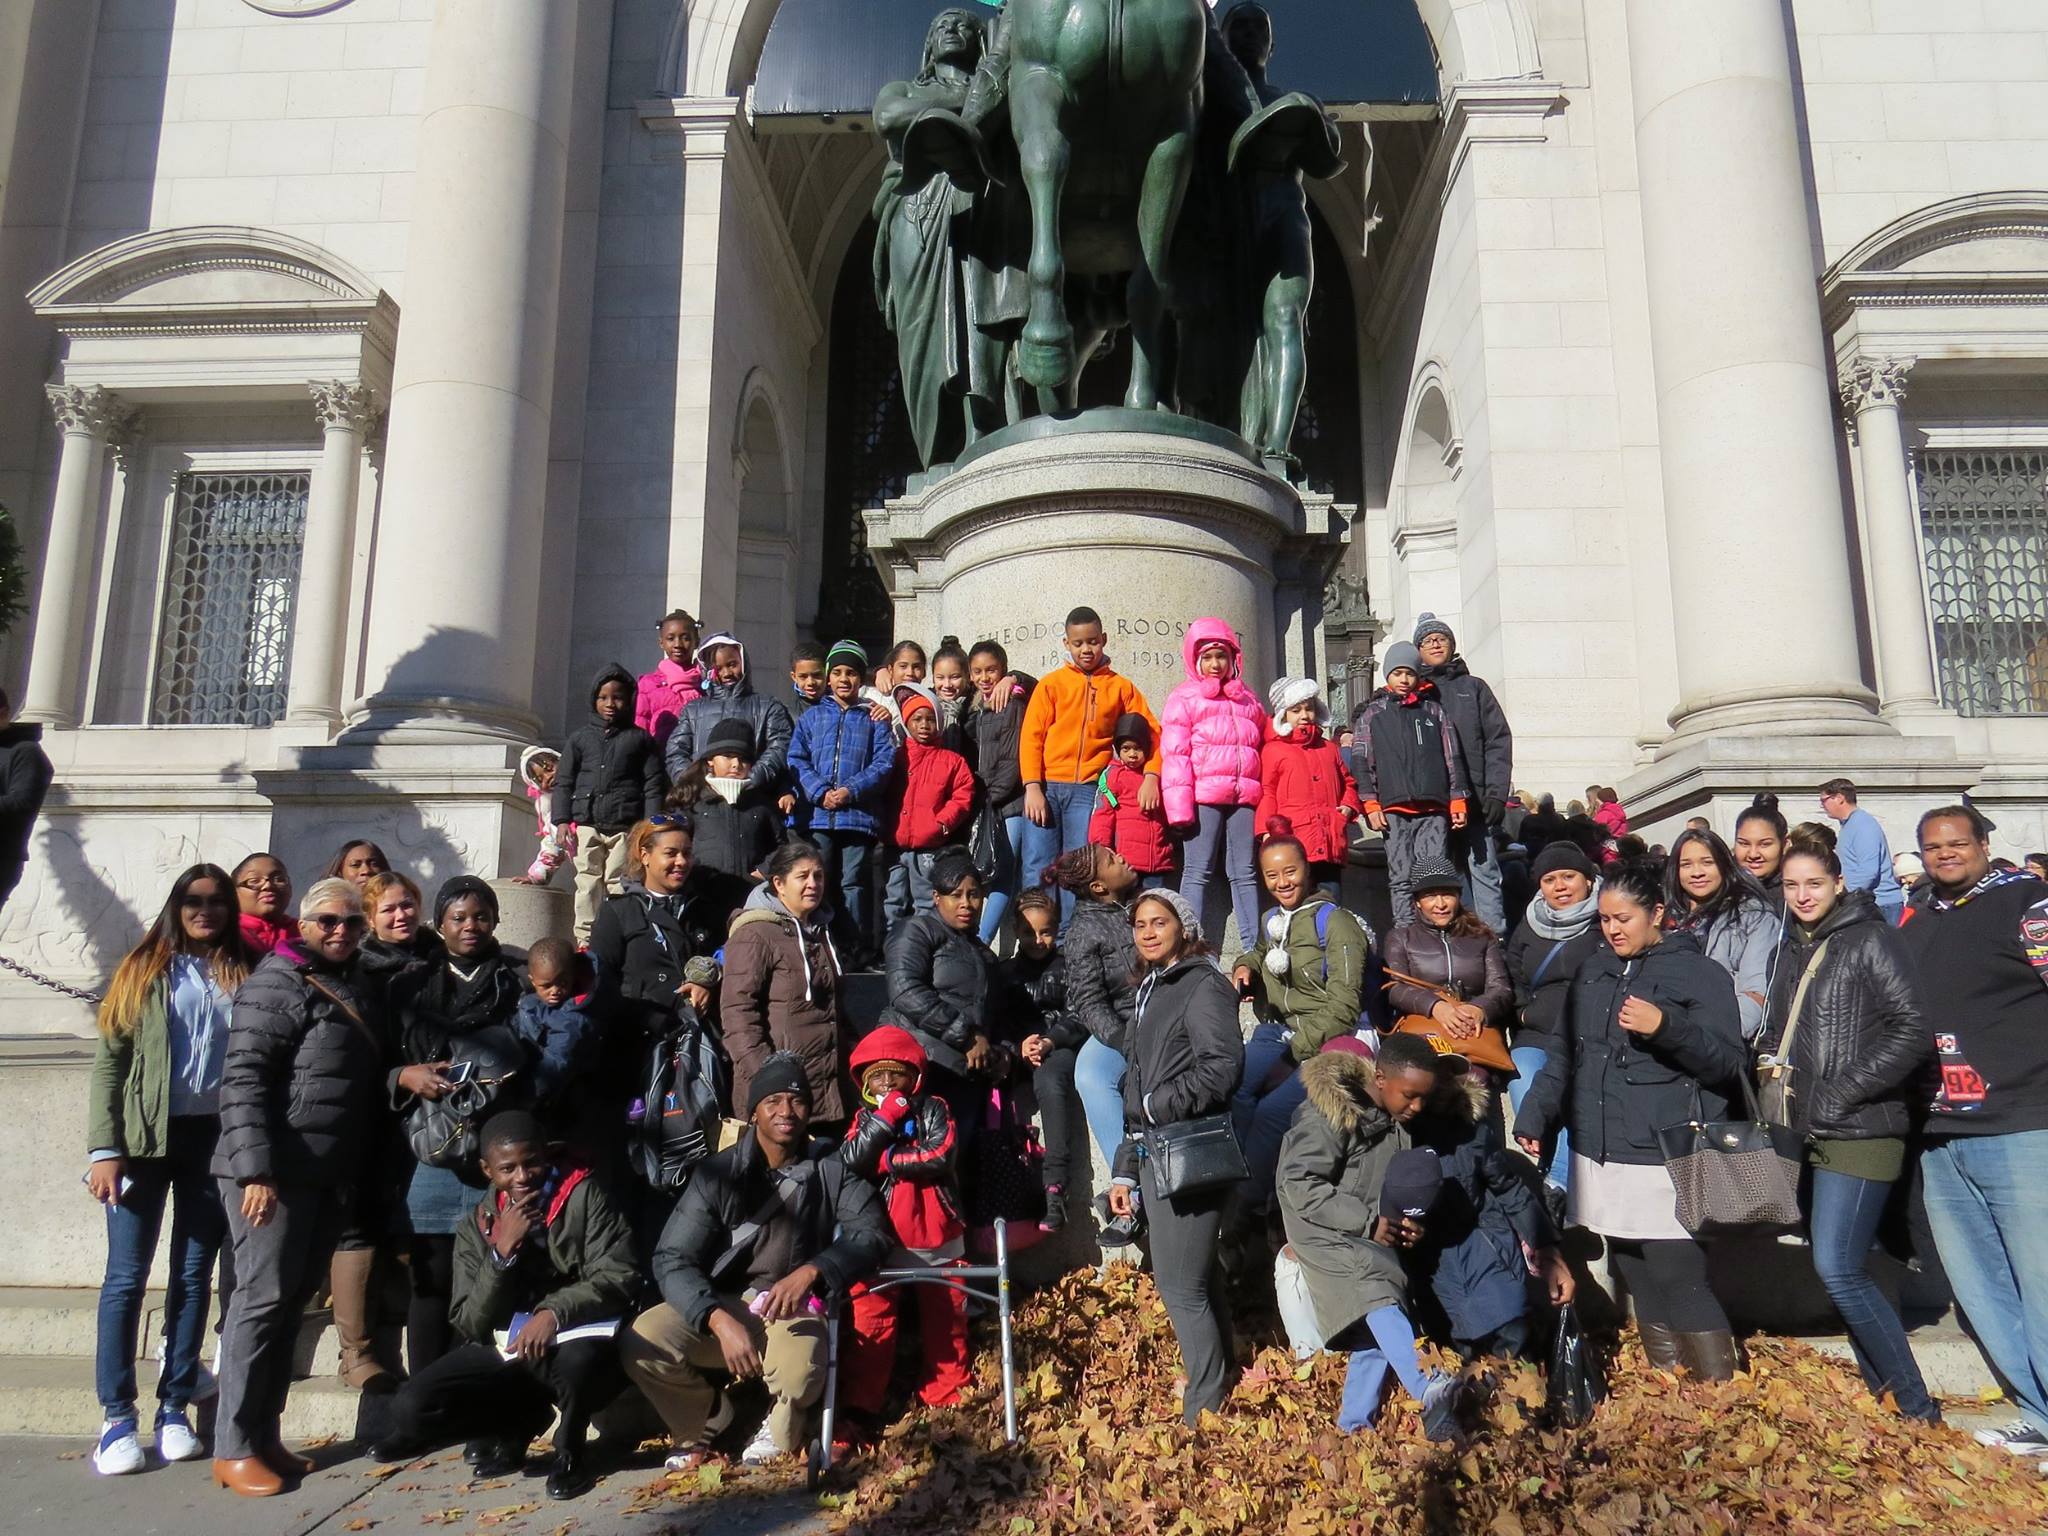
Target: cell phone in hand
{"points": [[458, 1074]]}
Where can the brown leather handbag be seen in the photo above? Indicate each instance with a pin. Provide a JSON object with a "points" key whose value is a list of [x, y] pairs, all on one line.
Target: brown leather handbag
{"points": [[1488, 1048]]}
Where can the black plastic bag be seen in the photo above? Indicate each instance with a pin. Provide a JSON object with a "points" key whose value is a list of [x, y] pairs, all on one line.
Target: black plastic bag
{"points": [[1577, 1382]]}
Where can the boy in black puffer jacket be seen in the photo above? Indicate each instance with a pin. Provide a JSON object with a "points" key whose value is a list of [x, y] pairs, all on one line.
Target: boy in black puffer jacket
{"points": [[1035, 982], [942, 990], [609, 777]]}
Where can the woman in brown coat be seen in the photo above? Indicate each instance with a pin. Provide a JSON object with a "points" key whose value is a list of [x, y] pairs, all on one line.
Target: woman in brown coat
{"points": [[781, 990], [1448, 947]]}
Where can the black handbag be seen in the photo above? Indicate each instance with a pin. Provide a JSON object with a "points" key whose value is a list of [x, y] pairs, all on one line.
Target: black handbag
{"points": [[1734, 1175], [448, 1132], [1191, 1157]]}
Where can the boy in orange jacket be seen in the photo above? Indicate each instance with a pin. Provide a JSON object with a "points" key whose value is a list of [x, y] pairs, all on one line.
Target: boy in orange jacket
{"points": [[937, 802], [1065, 743]]}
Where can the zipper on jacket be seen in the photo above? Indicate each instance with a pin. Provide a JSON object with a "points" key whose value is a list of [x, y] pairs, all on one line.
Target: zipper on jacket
{"points": [[1087, 719]]}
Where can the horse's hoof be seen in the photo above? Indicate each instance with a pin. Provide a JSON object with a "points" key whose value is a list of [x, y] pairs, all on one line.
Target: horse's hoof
{"points": [[1045, 365]]}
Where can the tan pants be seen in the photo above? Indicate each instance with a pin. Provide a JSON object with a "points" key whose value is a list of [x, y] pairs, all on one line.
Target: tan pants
{"points": [[600, 866], [667, 1358]]}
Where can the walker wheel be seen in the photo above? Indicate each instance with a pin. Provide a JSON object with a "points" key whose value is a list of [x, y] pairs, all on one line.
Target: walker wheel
{"points": [[814, 1464]]}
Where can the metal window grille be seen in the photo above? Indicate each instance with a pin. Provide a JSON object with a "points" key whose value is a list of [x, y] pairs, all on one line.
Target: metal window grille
{"points": [[224, 647], [1984, 528]]}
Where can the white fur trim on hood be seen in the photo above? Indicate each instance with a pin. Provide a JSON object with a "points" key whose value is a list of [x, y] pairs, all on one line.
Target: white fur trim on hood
{"points": [[532, 755], [1290, 691]]}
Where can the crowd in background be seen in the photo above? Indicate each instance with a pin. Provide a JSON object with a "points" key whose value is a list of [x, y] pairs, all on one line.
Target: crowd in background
{"points": [[665, 1157]]}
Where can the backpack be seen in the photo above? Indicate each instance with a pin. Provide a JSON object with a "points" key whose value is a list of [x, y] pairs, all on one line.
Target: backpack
{"points": [[448, 1132], [1372, 995], [680, 1104]]}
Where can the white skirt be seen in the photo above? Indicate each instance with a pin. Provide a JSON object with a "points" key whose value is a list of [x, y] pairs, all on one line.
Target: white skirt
{"points": [[1624, 1200]]}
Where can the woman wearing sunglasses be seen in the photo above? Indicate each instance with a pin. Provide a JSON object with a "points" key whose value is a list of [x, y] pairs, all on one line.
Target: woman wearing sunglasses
{"points": [[299, 1097]]}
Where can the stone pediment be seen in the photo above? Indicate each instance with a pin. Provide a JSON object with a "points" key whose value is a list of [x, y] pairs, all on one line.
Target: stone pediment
{"points": [[1989, 232]]}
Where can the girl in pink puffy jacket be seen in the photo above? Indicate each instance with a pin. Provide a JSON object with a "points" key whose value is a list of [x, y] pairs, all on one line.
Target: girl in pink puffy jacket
{"points": [[1210, 734]]}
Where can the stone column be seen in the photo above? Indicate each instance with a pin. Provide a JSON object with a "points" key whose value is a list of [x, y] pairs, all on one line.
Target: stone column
{"points": [[1762, 596], [346, 413], [1872, 391], [456, 592], [89, 418]]}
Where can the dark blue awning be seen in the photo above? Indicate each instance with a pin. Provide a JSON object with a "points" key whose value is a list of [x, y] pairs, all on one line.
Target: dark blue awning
{"points": [[829, 58]]}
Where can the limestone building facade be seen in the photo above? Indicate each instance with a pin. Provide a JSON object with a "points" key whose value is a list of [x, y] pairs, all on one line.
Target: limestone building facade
{"points": [[371, 371]]}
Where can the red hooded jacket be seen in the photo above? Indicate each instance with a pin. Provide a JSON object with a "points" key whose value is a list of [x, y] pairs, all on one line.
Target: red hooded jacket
{"points": [[1119, 822], [1303, 782], [905, 1145], [938, 793]]}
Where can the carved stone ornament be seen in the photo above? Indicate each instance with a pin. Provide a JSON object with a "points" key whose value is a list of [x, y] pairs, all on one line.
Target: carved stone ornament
{"points": [[89, 409], [294, 7], [1872, 382], [352, 407]]}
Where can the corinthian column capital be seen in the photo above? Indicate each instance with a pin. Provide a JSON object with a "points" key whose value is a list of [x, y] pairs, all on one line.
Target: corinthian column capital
{"points": [[351, 407], [1875, 381], [89, 409]]}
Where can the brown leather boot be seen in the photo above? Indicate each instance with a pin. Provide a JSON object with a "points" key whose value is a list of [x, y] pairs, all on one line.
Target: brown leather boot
{"points": [[1710, 1356], [1660, 1344], [287, 1463], [348, 1280], [250, 1476]]}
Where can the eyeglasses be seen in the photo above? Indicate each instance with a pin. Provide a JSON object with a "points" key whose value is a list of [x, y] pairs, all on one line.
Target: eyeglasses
{"points": [[266, 883], [328, 922]]}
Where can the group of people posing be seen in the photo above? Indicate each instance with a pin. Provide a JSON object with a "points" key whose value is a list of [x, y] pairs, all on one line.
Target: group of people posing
{"points": [[667, 1157]]}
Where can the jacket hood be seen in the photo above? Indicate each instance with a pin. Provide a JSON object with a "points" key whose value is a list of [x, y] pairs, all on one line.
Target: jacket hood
{"points": [[1854, 907], [1290, 691], [1455, 667], [532, 756], [1464, 1100], [1206, 632], [675, 673], [20, 731], [1335, 1083], [1678, 946], [712, 687], [612, 672], [887, 1042]]}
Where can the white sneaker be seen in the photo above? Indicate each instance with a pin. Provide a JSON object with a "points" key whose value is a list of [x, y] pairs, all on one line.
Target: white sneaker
{"points": [[2019, 1437], [120, 1449], [174, 1438], [760, 1450]]}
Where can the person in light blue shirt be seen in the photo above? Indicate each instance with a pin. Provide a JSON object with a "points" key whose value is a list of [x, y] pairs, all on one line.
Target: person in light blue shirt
{"points": [[1865, 854]]}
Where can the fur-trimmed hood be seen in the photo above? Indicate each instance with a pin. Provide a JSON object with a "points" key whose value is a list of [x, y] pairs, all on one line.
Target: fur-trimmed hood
{"points": [[1335, 1083], [1464, 1099]]}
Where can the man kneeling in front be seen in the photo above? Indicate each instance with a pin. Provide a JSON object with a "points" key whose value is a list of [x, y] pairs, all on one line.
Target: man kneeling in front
{"points": [[764, 1232]]}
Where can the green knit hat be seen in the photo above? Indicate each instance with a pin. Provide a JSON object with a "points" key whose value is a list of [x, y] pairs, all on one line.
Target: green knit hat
{"points": [[851, 650]]}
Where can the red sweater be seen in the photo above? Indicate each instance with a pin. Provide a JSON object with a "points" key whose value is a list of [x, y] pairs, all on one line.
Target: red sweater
{"points": [[1303, 781], [1140, 836], [937, 794]]}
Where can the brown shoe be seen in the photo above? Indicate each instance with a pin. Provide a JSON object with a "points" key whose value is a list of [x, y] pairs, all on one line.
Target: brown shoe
{"points": [[287, 1463], [250, 1476]]}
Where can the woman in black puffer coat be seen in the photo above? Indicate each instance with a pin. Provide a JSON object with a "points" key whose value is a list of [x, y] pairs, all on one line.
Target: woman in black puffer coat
{"points": [[1844, 1040], [1187, 1054], [942, 989], [1102, 985], [1653, 1039]]}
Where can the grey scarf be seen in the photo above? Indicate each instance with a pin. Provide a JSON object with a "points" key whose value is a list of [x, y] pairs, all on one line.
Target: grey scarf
{"points": [[1550, 923]]}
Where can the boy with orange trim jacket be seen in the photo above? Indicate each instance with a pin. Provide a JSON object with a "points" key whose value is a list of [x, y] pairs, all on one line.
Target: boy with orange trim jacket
{"points": [[1066, 742], [902, 1140], [1410, 771], [937, 802]]}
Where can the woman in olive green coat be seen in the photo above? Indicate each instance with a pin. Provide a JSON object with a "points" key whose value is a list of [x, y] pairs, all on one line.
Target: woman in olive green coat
{"points": [[152, 1121]]}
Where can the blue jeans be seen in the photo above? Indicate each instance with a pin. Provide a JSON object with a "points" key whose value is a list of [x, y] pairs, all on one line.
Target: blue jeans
{"points": [[1223, 831], [1529, 1061], [1477, 861], [1984, 1204], [1009, 866], [1365, 1377], [198, 1227], [1099, 1079], [1893, 911], [848, 857], [1262, 1117], [910, 884], [1842, 1217], [1069, 806]]}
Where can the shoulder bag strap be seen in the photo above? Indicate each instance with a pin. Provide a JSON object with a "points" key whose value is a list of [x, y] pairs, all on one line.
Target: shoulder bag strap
{"points": [[1536, 976]]}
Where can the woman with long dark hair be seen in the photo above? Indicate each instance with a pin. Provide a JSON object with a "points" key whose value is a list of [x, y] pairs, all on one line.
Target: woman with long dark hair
{"points": [[356, 861], [466, 1000], [1760, 834], [1843, 1039], [152, 1124], [1186, 1055], [1652, 1039], [1708, 896]]}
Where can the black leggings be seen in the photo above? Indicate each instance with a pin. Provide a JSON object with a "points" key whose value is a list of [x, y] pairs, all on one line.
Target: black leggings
{"points": [[1059, 1113], [427, 1330], [1667, 1279]]}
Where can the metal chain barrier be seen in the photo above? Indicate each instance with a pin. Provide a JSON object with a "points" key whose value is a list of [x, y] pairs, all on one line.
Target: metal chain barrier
{"points": [[30, 974]]}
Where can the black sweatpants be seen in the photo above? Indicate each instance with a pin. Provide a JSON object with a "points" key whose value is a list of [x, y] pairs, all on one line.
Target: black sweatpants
{"points": [[1059, 1113], [1667, 1279], [475, 1393], [428, 1333]]}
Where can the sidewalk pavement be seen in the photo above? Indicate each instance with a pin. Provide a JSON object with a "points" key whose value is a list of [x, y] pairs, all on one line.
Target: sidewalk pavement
{"points": [[52, 1491]]}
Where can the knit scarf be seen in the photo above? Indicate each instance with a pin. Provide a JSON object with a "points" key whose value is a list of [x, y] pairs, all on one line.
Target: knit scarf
{"points": [[1568, 923]]}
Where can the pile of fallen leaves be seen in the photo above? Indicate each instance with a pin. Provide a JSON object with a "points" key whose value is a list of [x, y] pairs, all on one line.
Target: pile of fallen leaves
{"points": [[1794, 1444]]}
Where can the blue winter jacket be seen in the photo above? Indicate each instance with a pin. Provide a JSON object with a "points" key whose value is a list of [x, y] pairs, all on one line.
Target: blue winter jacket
{"points": [[835, 747]]}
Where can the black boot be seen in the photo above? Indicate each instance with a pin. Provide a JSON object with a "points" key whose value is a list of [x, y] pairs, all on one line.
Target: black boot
{"points": [[500, 1458], [1660, 1344], [1710, 1356], [570, 1477]]}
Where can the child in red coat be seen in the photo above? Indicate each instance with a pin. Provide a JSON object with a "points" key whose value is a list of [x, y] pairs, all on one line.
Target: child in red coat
{"points": [[1119, 821], [936, 789], [1305, 787], [902, 1140]]}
